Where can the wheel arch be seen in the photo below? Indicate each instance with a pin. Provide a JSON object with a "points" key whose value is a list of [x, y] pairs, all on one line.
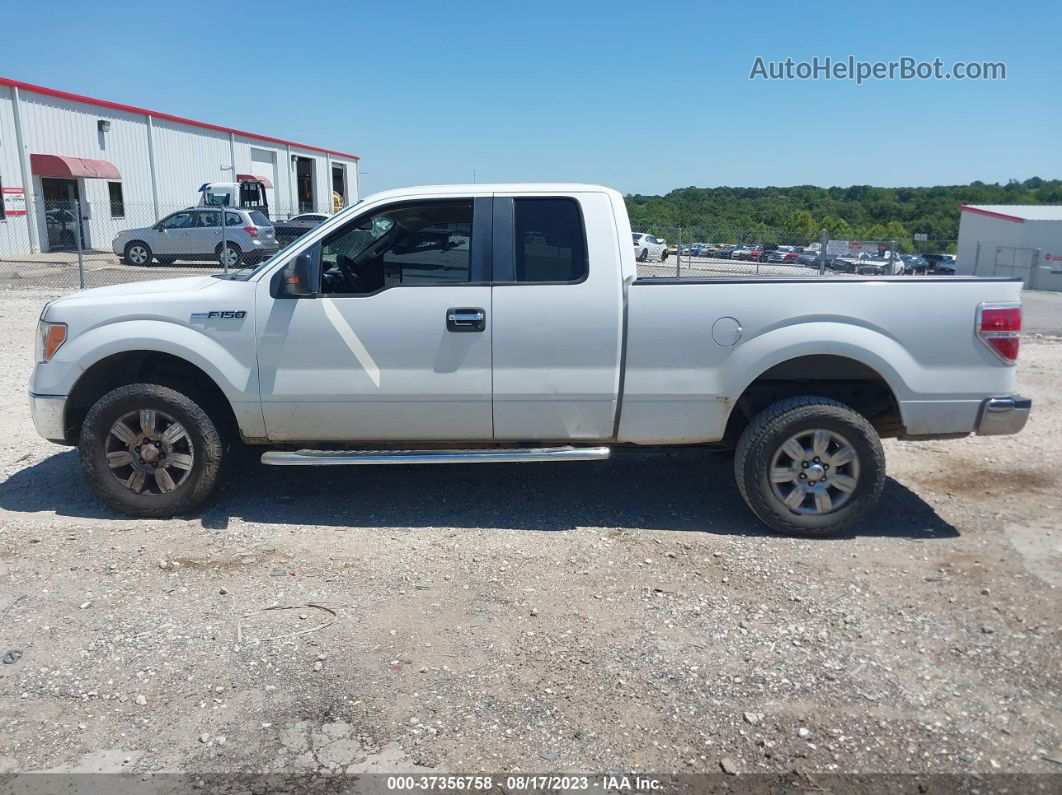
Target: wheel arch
{"points": [[846, 378], [151, 366]]}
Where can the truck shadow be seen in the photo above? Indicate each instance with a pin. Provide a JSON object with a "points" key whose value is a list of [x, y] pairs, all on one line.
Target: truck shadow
{"points": [[686, 490]]}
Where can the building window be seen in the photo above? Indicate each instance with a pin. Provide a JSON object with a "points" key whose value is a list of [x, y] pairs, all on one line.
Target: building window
{"points": [[117, 203]]}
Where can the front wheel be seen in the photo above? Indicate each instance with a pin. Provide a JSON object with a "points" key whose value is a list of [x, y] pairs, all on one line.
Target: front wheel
{"points": [[644, 255], [150, 451], [138, 253], [809, 466]]}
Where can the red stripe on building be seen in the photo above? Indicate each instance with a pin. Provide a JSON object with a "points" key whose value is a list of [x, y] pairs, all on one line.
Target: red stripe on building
{"points": [[978, 211], [102, 103]]}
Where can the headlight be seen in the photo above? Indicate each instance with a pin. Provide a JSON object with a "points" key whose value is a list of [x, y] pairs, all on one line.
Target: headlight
{"points": [[50, 337]]}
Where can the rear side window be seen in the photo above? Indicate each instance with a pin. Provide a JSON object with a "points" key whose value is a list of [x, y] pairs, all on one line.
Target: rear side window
{"points": [[550, 241]]}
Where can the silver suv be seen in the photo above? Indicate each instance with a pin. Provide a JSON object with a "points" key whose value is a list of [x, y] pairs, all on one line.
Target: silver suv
{"points": [[195, 234]]}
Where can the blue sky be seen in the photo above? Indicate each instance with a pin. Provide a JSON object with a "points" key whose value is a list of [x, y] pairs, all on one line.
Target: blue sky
{"points": [[645, 97]]}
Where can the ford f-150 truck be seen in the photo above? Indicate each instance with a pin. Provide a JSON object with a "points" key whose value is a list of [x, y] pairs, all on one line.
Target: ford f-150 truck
{"points": [[506, 323]]}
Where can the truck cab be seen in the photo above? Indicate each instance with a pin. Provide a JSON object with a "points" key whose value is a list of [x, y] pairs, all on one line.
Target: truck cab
{"points": [[248, 193]]}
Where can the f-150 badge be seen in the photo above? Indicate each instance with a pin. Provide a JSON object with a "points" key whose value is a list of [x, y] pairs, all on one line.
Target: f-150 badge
{"points": [[223, 314]]}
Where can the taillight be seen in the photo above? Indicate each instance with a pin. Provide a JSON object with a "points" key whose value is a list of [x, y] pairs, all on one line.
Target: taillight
{"points": [[251, 230], [999, 327]]}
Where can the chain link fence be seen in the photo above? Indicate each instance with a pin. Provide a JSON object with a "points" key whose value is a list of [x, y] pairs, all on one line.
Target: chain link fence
{"points": [[722, 251], [64, 244]]}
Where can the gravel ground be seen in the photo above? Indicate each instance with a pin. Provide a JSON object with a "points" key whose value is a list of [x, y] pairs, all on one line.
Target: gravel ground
{"points": [[627, 615]]}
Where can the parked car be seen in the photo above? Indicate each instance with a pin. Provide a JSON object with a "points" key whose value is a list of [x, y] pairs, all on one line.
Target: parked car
{"points": [[649, 247], [757, 254], [333, 353], [62, 232], [778, 254], [914, 263], [791, 256], [727, 252], [940, 263], [296, 227], [742, 252], [671, 248], [195, 234], [808, 258]]}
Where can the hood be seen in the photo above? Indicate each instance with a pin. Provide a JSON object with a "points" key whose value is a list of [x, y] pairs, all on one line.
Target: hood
{"points": [[157, 287]]}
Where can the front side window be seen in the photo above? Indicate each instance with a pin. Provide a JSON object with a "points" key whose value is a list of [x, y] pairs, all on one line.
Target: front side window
{"points": [[418, 244], [181, 220], [550, 241]]}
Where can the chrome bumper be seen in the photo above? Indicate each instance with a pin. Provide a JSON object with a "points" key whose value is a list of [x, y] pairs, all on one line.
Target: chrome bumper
{"points": [[48, 412], [1001, 415]]}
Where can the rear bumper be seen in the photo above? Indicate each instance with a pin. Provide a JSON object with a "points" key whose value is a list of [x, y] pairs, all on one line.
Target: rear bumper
{"points": [[1003, 415], [49, 412]]}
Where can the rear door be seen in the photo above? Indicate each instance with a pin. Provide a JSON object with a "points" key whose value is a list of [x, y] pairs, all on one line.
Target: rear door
{"points": [[557, 318]]}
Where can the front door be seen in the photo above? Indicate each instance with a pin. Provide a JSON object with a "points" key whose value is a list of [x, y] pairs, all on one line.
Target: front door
{"points": [[62, 213], [177, 234], [397, 345]]}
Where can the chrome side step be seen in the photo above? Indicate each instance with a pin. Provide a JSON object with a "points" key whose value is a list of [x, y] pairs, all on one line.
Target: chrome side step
{"points": [[327, 458]]}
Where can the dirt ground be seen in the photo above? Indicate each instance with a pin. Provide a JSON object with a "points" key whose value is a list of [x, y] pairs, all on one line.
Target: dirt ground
{"points": [[627, 615]]}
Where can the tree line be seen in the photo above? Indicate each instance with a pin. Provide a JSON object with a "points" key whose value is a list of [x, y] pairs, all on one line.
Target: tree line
{"points": [[796, 215]]}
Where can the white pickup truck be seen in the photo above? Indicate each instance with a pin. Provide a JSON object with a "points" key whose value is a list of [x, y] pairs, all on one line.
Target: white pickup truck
{"points": [[506, 323]]}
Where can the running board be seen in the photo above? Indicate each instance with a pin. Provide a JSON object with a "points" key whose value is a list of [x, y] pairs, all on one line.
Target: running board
{"points": [[326, 458]]}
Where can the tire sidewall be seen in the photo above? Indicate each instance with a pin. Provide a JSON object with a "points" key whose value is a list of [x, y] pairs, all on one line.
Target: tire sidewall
{"points": [[770, 509], [134, 244], [206, 445], [232, 248]]}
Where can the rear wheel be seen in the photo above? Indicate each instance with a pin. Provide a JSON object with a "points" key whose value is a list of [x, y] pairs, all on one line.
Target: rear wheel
{"points": [[149, 450], [232, 258], [644, 256], [809, 466], [137, 253]]}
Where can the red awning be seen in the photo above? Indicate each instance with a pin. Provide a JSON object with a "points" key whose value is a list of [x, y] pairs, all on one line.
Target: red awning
{"points": [[252, 178], [65, 166]]}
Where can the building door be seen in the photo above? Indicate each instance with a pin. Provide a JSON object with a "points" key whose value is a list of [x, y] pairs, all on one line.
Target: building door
{"points": [[61, 212], [304, 184], [339, 187]]}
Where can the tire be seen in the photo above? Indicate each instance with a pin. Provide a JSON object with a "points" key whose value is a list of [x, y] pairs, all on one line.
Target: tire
{"points": [[137, 252], [663, 255], [762, 457], [166, 260], [644, 256], [197, 440], [235, 255]]}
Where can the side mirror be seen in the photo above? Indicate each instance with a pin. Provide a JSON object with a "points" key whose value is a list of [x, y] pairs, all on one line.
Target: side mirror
{"points": [[302, 274]]}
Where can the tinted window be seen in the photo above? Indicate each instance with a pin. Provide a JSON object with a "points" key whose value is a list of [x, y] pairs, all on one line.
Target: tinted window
{"points": [[418, 244], [550, 245], [114, 190], [233, 219], [259, 219]]}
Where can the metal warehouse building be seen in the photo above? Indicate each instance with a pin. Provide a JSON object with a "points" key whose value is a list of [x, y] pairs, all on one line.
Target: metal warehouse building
{"points": [[1012, 240], [127, 167]]}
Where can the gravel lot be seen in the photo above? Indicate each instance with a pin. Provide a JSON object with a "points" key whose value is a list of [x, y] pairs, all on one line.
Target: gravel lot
{"points": [[628, 615]]}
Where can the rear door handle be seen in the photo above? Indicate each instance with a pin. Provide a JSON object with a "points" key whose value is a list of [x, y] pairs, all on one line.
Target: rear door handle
{"points": [[466, 319]]}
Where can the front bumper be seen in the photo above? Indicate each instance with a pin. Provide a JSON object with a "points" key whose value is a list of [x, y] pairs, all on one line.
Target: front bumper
{"points": [[49, 412], [1002, 415]]}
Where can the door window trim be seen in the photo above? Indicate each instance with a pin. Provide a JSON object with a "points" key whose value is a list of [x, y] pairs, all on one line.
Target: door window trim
{"points": [[480, 259]]}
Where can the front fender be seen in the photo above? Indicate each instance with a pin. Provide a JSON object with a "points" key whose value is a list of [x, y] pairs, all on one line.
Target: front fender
{"points": [[228, 359]]}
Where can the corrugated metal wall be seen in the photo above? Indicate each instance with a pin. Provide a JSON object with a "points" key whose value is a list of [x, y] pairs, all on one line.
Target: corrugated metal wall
{"points": [[185, 156]]}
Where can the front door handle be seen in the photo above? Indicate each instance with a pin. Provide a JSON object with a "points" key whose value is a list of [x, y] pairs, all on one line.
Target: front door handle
{"points": [[466, 319]]}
